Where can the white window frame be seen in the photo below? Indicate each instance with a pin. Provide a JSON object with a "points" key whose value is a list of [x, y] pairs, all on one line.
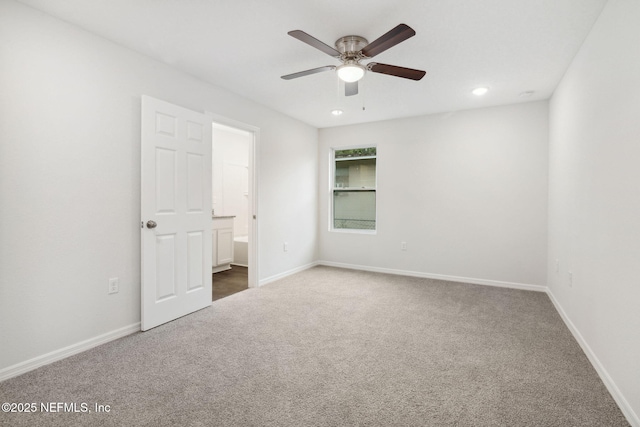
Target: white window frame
{"points": [[332, 178]]}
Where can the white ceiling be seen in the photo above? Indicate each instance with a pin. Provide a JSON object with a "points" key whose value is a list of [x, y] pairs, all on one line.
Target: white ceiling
{"points": [[511, 46]]}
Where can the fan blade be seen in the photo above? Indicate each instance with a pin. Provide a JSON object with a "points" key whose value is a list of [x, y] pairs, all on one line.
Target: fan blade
{"points": [[388, 40], [350, 89], [394, 70], [312, 41], [308, 72]]}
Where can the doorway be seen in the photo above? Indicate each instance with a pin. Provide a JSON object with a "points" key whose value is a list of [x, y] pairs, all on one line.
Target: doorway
{"points": [[234, 206]]}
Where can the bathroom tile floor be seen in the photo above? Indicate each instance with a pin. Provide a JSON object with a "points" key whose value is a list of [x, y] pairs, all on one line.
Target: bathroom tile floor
{"points": [[229, 282]]}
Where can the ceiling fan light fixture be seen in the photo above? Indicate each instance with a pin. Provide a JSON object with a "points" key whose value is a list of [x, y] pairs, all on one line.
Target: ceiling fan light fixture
{"points": [[350, 72]]}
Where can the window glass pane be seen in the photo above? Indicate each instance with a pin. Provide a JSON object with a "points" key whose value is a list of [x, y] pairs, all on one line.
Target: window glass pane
{"points": [[355, 152], [354, 210], [356, 173]]}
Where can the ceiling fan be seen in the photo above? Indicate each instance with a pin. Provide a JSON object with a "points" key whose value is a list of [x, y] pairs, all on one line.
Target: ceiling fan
{"points": [[351, 50]]}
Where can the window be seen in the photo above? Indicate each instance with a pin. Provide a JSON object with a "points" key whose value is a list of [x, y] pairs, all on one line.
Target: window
{"points": [[354, 189]]}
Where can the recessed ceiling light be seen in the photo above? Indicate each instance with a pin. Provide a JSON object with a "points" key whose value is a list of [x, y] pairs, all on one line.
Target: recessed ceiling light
{"points": [[479, 91], [336, 112]]}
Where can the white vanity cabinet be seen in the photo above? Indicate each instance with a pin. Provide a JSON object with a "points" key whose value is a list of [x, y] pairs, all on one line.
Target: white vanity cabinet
{"points": [[222, 235]]}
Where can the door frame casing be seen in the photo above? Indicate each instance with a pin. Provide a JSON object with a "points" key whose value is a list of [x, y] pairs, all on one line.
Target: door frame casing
{"points": [[253, 269]]}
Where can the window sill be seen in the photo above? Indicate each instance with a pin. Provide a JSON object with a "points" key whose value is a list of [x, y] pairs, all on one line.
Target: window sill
{"points": [[352, 231]]}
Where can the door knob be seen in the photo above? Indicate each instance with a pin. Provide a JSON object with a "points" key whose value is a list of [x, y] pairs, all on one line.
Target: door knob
{"points": [[151, 224]]}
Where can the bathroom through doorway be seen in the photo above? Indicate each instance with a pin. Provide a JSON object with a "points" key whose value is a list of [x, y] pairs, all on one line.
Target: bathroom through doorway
{"points": [[233, 208]]}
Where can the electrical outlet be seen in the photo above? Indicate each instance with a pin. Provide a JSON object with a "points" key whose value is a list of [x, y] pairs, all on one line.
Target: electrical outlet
{"points": [[403, 246], [285, 246], [113, 285], [570, 279]]}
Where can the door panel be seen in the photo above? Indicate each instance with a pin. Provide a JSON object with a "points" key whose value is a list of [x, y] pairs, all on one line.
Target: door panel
{"points": [[166, 180], [176, 195], [165, 267], [195, 254], [225, 246], [195, 182]]}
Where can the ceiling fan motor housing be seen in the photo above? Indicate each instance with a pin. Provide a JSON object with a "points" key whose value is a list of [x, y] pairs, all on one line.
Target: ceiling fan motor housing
{"points": [[350, 47]]}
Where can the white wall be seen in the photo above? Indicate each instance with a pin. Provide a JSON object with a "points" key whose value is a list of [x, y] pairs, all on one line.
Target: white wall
{"points": [[70, 180], [467, 191], [594, 197]]}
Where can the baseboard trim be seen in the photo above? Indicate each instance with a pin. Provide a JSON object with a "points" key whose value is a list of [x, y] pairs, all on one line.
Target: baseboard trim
{"points": [[615, 392], [239, 265], [286, 273], [54, 356], [497, 283]]}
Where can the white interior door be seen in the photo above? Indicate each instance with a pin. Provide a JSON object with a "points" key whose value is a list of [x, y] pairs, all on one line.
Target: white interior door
{"points": [[176, 212]]}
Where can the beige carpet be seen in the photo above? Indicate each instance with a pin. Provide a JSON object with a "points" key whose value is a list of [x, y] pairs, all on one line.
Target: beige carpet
{"points": [[333, 347]]}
